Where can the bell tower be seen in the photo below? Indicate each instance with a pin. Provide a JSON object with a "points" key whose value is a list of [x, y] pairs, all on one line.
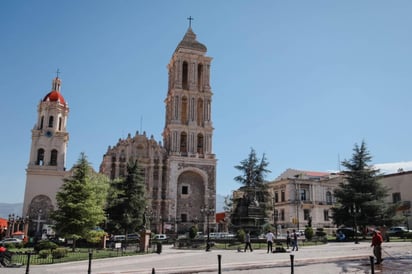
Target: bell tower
{"points": [[188, 131], [46, 167]]}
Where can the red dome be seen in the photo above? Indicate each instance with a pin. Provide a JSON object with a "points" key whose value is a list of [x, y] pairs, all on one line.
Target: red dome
{"points": [[54, 96]]}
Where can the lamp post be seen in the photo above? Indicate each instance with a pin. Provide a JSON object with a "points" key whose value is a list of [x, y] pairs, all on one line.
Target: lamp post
{"points": [[355, 211], [207, 211]]}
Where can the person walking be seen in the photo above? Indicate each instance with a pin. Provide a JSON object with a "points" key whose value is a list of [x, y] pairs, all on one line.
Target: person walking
{"points": [[247, 242], [295, 241], [288, 239], [269, 240], [377, 246]]}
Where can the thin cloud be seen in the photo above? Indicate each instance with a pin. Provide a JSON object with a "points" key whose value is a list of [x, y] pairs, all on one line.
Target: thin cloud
{"points": [[388, 168]]}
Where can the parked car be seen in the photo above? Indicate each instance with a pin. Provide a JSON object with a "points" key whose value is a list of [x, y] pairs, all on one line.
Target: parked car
{"points": [[11, 241], [397, 231], [160, 237], [348, 232], [133, 237]]}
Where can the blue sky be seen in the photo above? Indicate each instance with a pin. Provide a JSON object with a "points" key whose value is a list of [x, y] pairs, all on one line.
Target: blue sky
{"points": [[298, 81]]}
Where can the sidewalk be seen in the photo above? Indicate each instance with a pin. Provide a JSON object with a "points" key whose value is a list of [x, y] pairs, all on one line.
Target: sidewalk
{"points": [[330, 258]]}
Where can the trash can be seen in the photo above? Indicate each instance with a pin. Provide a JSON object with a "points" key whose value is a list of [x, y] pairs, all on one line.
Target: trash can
{"points": [[158, 248]]}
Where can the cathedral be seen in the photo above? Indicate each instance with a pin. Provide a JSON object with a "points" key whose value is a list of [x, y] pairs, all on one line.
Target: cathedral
{"points": [[180, 172]]}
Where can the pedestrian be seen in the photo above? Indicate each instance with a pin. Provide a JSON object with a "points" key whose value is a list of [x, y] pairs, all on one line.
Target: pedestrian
{"points": [[247, 242], [377, 246], [295, 241], [288, 239], [269, 240]]}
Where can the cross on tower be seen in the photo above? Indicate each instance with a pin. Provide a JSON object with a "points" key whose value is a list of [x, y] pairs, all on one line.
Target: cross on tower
{"points": [[57, 73], [190, 18]]}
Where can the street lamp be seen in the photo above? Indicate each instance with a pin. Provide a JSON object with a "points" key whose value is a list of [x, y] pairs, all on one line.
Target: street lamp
{"points": [[207, 211], [355, 211]]}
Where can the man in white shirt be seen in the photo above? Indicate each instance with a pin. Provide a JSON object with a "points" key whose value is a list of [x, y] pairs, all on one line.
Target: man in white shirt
{"points": [[269, 240]]}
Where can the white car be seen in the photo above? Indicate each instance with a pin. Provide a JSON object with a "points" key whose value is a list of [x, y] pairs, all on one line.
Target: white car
{"points": [[11, 241]]}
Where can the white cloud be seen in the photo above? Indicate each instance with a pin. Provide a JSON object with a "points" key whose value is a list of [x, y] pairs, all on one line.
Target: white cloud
{"points": [[388, 168]]}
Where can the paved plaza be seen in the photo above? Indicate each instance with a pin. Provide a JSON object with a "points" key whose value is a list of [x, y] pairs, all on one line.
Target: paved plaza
{"points": [[330, 258]]}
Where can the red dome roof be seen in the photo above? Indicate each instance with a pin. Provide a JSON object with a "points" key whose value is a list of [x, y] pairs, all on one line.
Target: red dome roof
{"points": [[54, 96]]}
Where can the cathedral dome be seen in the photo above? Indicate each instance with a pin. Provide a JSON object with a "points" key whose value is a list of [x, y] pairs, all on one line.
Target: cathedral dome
{"points": [[189, 42], [54, 96]]}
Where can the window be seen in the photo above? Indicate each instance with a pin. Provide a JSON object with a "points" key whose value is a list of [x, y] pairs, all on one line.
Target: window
{"points": [[40, 157], [396, 197], [41, 122], [275, 215], [199, 76], [185, 190], [199, 112], [51, 120], [282, 196], [183, 217], [326, 215], [276, 197], [282, 214], [183, 142], [306, 214], [183, 115], [53, 158], [185, 77], [303, 194], [60, 123], [200, 143], [328, 198]]}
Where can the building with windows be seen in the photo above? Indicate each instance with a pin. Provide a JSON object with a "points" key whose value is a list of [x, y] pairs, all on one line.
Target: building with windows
{"points": [[180, 174], [303, 197], [400, 193]]}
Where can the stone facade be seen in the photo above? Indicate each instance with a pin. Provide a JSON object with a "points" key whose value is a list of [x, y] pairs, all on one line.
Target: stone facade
{"points": [[181, 173]]}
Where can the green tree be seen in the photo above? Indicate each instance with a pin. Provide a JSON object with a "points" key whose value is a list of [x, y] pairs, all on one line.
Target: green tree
{"points": [[80, 202], [361, 196], [249, 211], [127, 202]]}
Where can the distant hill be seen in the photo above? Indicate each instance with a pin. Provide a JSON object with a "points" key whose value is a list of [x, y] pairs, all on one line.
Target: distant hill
{"points": [[6, 209]]}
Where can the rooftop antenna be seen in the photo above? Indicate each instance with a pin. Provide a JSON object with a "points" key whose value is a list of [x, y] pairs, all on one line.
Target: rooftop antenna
{"points": [[190, 18]]}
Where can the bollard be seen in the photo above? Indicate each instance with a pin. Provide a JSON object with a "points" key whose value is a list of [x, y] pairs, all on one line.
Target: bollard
{"points": [[89, 271], [372, 260], [291, 263], [219, 260], [28, 263]]}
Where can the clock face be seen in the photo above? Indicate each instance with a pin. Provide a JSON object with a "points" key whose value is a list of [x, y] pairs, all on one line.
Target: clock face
{"points": [[49, 134]]}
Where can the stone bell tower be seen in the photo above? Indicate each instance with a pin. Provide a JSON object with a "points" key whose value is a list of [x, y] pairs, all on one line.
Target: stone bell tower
{"points": [[188, 133]]}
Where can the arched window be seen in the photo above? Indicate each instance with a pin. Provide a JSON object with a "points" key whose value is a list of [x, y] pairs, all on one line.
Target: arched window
{"points": [[200, 112], [40, 157], [200, 143], [51, 120], [185, 75], [113, 171], [183, 142], [199, 76], [183, 115], [41, 122], [53, 158], [60, 123], [328, 198]]}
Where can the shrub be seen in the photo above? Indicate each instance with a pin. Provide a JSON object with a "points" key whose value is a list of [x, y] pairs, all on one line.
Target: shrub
{"points": [[42, 245], [308, 233], [320, 232], [241, 235], [43, 254], [59, 253]]}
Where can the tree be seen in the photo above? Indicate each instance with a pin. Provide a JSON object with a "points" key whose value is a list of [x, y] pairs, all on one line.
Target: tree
{"points": [[252, 179], [80, 202], [250, 210], [127, 201], [361, 196]]}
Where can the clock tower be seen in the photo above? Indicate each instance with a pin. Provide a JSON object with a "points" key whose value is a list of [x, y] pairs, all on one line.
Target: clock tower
{"points": [[46, 168]]}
